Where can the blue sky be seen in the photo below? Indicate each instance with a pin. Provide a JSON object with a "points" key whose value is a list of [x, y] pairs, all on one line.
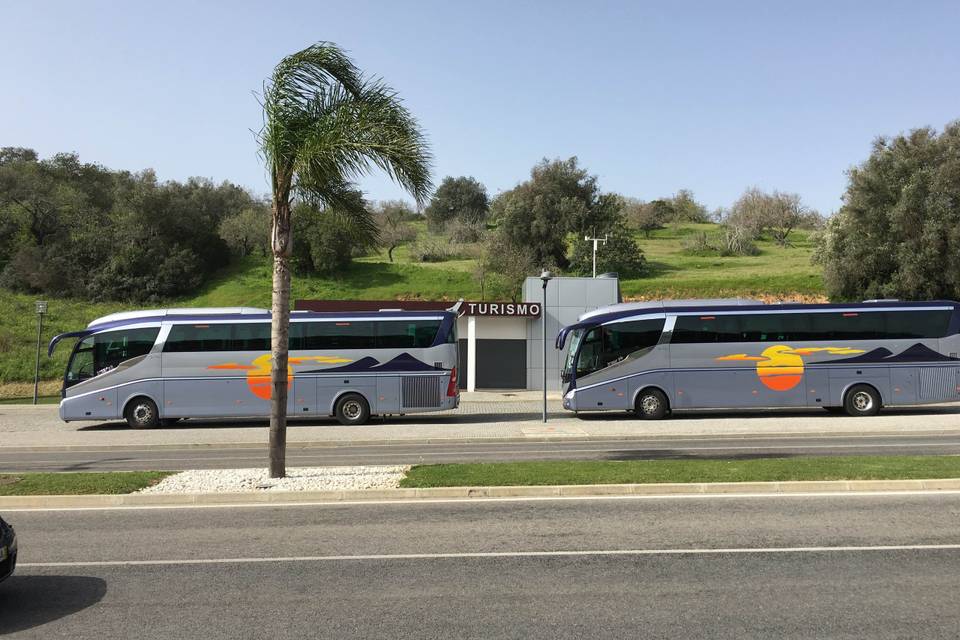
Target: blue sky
{"points": [[652, 97]]}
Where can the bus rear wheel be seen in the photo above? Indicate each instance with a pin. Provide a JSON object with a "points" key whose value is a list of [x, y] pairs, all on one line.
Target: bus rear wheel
{"points": [[352, 409], [141, 413], [651, 404], [862, 400]]}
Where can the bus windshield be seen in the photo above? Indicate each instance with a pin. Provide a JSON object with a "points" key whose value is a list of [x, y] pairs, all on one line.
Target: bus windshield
{"points": [[99, 353]]}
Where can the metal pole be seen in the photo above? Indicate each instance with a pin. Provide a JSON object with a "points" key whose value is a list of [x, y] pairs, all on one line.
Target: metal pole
{"points": [[594, 257], [36, 371], [543, 318]]}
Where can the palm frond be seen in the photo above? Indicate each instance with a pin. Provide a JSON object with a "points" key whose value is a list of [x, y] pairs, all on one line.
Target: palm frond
{"points": [[325, 126]]}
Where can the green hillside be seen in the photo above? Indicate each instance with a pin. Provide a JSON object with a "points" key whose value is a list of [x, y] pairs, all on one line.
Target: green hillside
{"points": [[778, 272]]}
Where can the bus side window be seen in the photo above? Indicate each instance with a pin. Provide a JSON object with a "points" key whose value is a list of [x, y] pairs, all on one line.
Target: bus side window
{"points": [[624, 338]]}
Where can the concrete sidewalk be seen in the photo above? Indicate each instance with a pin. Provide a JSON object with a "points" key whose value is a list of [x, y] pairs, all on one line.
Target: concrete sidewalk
{"points": [[494, 417]]}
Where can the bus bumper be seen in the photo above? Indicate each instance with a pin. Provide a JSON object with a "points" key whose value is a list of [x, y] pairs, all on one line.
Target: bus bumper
{"points": [[570, 400]]}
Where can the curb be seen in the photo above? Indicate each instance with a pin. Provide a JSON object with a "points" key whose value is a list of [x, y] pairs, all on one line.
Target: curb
{"points": [[134, 500], [339, 444]]}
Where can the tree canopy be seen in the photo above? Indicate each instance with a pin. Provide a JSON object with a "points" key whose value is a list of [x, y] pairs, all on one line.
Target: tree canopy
{"points": [[463, 199], [560, 198], [898, 231], [78, 229]]}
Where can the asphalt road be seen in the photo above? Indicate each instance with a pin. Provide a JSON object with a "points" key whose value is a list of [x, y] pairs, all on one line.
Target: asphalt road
{"points": [[734, 447], [884, 566]]}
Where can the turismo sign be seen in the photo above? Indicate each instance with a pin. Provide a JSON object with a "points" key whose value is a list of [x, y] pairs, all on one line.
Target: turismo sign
{"points": [[501, 309]]}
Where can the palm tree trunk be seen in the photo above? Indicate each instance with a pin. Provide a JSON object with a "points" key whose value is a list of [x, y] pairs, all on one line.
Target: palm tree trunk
{"points": [[282, 245]]}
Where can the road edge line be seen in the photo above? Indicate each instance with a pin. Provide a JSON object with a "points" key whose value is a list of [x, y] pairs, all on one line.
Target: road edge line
{"points": [[488, 492]]}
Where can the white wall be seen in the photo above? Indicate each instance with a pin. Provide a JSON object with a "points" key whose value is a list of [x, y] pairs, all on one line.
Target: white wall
{"points": [[495, 328]]}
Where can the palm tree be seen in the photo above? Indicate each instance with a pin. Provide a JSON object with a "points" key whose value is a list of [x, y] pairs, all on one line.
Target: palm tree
{"points": [[324, 126]]}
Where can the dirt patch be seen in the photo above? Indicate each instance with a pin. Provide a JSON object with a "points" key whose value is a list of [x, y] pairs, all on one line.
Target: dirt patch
{"points": [[25, 389], [762, 297]]}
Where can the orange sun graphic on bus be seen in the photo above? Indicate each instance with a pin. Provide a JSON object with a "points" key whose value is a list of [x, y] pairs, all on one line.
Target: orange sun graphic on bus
{"points": [[780, 367], [258, 373]]}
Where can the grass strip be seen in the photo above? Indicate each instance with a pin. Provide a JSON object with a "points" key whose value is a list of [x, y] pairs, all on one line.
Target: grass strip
{"points": [[661, 471], [83, 483]]}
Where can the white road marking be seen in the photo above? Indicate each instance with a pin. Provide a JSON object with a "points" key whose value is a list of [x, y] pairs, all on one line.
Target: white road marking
{"points": [[494, 554], [488, 500]]}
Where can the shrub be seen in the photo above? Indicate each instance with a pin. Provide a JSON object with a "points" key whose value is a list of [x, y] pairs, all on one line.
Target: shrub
{"points": [[463, 232], [735, 241], [433, 249], [699, 244]]}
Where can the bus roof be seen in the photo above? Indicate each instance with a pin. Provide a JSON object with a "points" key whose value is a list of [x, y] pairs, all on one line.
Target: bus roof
{"points": [[622, 310], [226, 314]]}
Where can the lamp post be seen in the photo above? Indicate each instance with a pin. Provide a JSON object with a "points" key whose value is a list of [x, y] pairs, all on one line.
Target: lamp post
{"points": [[41, 309], [545, 277]]}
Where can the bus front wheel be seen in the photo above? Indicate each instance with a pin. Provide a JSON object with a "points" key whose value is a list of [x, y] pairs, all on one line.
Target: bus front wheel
{"points": [[652, 404], [862, 400], [352, 409], [141, 413]]}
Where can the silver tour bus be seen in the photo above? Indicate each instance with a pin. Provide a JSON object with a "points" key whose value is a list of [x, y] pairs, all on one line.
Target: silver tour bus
{"points": [[650, 358], [155, 367]]}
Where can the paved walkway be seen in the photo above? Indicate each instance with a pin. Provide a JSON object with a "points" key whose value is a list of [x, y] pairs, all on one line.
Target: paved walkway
{"points": [[480, 418]]}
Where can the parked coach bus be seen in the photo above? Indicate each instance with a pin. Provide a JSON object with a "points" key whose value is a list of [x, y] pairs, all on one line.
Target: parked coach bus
{"points": [[649, 358], [155, 367]]}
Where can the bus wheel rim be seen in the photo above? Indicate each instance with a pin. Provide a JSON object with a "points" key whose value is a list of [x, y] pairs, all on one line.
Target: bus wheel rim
{"points": [[650, 404], [862, 401], [142, 413], [352, 409]]}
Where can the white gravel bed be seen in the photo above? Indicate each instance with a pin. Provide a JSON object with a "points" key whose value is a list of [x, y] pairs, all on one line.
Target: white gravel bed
{"points": [[297, 479]]}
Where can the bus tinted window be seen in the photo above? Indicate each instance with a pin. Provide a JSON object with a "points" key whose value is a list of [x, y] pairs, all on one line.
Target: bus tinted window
{"points": [[198, 337], [774, 327], [114, 347], [848, 326], [623, 338], [383, 334], [250, 337], [335, 335], [406, 334], [706, 328], [799, 327], [917, 324]]}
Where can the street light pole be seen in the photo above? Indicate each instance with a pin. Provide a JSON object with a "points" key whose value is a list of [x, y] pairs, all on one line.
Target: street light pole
{"points": [[41, 309], [545, 277]]}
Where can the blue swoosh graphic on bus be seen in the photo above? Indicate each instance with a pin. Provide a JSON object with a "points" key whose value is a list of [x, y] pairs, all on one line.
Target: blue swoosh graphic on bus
{"points": [[403, 362], [916, 353]]}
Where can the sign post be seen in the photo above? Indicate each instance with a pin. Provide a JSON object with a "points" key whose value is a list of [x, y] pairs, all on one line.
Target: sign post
{"points": [[41, 309]]}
